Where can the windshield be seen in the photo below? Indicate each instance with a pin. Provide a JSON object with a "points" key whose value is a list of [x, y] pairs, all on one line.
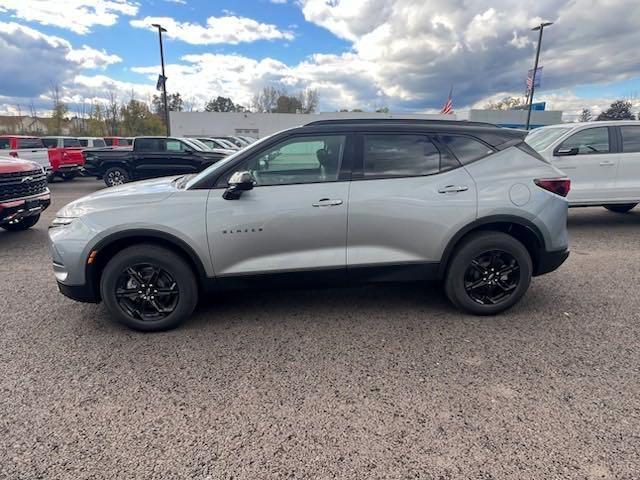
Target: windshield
{"points": [[540, 139], [221, 164]]}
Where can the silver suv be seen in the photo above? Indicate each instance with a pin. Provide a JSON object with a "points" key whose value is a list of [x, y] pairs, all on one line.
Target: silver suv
{"points": [[331, 202]]}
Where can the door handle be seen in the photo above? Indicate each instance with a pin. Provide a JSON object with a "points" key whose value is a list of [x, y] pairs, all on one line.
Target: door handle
{"points": [[453, 189], [607, 163], [327, 202]]}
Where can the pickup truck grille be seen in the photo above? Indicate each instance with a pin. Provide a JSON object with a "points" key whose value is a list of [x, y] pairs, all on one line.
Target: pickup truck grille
{"points": [[22, 184]]}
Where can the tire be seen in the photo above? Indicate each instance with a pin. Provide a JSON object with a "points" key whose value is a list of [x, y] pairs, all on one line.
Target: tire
{"points": [[138, 311], [621, 208], [23, 224], [51, 177], [466, 284], [115, 176], [68, 176]]}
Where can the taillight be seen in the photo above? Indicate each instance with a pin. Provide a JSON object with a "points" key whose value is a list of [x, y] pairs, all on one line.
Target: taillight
{"points": [[559, 186], [13, 154]]}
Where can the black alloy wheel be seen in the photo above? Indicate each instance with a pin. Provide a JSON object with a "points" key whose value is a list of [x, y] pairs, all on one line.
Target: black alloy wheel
{"points": [[146, 292], [492, 277]]}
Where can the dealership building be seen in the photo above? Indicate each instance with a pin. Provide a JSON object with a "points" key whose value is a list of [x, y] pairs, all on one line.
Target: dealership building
{"points": [[257, 125]]}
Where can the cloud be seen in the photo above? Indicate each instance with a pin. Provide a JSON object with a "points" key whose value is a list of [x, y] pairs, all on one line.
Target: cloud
{"points": [[229, 29], [79, 16], [32, 62]]}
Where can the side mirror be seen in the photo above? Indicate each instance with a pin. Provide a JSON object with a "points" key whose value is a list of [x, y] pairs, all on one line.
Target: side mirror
{"points": [[238, 183], [566, 152]]}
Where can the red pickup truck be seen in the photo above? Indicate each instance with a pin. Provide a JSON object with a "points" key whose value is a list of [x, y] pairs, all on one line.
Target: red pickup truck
{"points": [[23, 193], [65, 156]]}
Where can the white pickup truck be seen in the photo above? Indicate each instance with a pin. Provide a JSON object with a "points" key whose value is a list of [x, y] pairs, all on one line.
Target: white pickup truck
{"points": [[602, 159], [26, 148]]}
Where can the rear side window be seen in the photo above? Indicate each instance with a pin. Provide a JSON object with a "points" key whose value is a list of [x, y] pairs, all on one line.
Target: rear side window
{"points": [[4, 144], [589, 141], [83, 142], [108, 142], [124, 142], [150, 145], [71, 142], [466, 149], [388, 155], [98, 142], [630, 139], [30, 143], [50, 142]]}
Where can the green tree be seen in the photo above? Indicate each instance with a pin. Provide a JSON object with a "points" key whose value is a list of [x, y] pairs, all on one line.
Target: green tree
{"points": [[137, 120], [505, 103], [220, 104], [174, 102], [585, 115], [619, 110], [288, 104]]}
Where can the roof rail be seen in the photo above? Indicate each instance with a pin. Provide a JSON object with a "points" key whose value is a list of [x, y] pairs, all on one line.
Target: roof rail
{"points": [[417, 121]]}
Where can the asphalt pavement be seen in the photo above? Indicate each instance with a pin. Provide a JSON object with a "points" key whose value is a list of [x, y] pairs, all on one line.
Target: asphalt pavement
{"points": [[370, 382]]}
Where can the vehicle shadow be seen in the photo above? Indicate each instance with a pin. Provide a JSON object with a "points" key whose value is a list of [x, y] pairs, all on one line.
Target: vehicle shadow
{"points": [[598, 217]]}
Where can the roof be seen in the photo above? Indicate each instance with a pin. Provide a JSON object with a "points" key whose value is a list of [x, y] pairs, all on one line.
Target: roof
{"points": [[396, 121]]}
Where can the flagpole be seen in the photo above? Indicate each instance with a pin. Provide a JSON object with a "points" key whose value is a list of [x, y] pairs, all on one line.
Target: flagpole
{"points": [[164, 79]]}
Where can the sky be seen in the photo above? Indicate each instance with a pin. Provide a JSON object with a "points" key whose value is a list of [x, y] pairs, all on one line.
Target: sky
{"points": [[402, 54]]}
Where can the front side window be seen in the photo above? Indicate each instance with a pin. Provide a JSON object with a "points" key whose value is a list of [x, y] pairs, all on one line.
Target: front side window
{"points": [[466, 149], [589, 141], [71, 142], [84, 142], [308, 159], [176, 146], [5, 144], [50, 142], [630, 139], [389, 155], [98, 142], [109, 142], [30, 143], [541, 138]]}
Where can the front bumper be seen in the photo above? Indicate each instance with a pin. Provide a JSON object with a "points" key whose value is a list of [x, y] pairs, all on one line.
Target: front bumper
{"points": [[79, 293], [24, 207], [550, 261]]}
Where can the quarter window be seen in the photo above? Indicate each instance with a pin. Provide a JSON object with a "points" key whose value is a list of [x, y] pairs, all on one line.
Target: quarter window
{"points": [[630, 139], [309, 159], [589, 141], [399, 156], [466, 149]]}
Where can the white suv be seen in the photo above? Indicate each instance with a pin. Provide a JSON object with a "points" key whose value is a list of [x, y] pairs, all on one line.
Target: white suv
{"points": [[602, 159]]}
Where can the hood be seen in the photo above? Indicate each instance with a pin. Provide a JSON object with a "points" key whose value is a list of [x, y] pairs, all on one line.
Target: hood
{"points": [[128, 195], [10, 165]]}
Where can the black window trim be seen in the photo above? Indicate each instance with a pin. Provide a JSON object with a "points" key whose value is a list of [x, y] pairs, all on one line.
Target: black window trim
{"points": [[614, 142], [344, 174], [471, 137]]}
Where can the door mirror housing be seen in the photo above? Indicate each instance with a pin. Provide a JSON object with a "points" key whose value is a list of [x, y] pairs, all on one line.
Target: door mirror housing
{"points": [[238, 183], [566, 152]]}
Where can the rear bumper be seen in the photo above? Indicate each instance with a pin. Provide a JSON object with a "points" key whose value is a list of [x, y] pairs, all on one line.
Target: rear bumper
{"points": [[24, 207], [550, 261]]}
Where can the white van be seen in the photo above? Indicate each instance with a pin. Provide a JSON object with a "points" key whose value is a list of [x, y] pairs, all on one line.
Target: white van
{"points": [[602, 159]]}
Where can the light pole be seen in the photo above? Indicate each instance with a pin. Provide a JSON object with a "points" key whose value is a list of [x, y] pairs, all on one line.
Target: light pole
{"points": [[164, 79], [535, 68]]}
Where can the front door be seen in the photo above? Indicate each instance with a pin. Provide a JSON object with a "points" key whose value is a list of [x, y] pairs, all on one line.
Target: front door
{"points": [[588, 160], [295, 217]]}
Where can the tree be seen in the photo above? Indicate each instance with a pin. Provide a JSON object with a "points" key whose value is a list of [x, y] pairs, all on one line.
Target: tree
{"points": [[288, 104], [506, 103], [220, 104], [112, 113], [619, 110], [308, 100], [137, 120], [174, 102], [585, 115], [266, 101], [58, 112], [382, 110]]}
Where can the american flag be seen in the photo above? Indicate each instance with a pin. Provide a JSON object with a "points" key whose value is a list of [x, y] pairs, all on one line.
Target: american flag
{"points": [[447, 108], [530, 78]]}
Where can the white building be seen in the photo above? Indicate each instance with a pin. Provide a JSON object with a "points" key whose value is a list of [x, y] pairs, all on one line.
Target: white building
{"points": [[257, 125]]}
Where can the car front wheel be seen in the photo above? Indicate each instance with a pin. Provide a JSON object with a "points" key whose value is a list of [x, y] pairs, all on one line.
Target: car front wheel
{"points": [[115, 176], [149, 288], [621, 208], [488, 274]]}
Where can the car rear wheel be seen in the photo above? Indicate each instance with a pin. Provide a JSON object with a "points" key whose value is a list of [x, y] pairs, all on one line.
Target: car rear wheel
{"points": [[488, 274], [115, 176], [149, 288], [621, 208], [23, 224]]}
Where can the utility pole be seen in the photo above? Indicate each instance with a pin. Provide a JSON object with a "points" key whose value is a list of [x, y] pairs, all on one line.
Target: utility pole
{"points": [[535, 68], [164, 79]]}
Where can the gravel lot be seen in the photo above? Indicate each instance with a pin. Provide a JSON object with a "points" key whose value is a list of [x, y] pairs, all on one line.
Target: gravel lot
{"points": [[371, 382]]}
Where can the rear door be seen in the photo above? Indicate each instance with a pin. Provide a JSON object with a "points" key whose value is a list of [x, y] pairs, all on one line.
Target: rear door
{"points": [[588, 158], [34, 150], [150, 157], [628, 180], [406, 198], [181, 158]]}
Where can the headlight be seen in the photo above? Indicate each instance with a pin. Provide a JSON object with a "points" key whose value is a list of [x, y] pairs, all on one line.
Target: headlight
{"points": [[62, 221]]}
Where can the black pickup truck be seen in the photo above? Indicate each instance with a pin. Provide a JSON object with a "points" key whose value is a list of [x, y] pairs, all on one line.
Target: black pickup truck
{"points": [[149, 157]]}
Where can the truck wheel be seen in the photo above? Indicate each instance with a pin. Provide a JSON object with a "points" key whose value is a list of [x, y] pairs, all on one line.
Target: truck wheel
{"points": [[488, 274], [149, 288], [68, 176], [620, 208], [23, 224], [115, 176]]}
